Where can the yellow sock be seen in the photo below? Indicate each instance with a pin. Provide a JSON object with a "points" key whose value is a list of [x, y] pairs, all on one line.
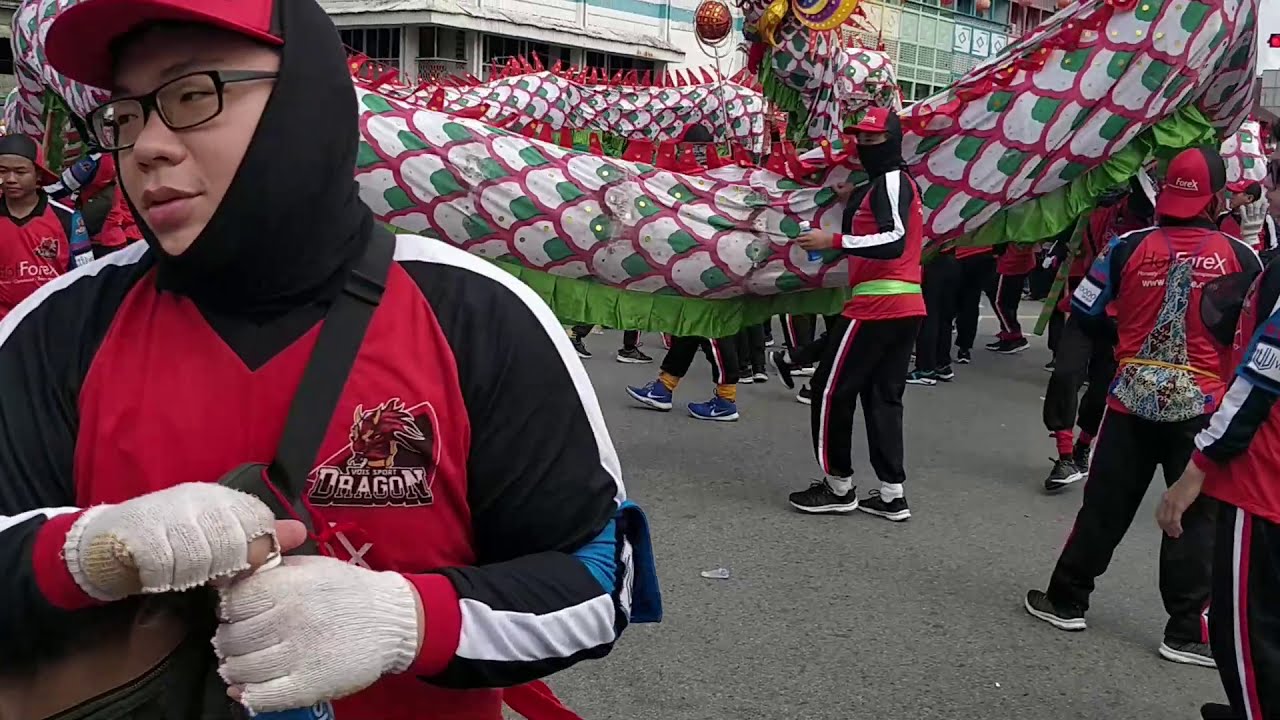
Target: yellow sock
{"points": [[728, 392], [668, 380]]}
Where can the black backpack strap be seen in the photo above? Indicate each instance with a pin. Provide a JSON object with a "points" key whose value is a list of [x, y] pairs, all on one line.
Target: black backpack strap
{"points": [[341, 336]]}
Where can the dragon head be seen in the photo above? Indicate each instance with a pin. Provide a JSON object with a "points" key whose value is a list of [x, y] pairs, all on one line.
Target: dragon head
{"points": [[376, 434]]}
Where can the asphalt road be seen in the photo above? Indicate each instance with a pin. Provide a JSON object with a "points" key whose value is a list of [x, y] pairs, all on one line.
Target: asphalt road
{"points": [[844, 617]]}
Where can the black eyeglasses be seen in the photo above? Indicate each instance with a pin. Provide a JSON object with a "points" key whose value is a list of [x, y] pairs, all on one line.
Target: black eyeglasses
{"points": [[182, 103]]}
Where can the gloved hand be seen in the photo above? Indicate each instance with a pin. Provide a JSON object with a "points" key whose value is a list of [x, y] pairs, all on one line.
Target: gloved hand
{"points": [[173, 539], [313, 629]]}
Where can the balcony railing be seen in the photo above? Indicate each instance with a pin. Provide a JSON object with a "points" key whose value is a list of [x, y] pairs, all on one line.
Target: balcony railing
{"points": [[433, 69]]}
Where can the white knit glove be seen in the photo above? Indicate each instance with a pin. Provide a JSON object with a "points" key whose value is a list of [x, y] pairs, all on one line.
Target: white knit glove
{"points": [[173, 539], [314, 629]]}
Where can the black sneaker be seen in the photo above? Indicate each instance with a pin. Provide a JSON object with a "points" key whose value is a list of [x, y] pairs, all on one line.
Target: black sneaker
{"points": [[819, 498], [1009, 347], [1080, 455], [994, 346], [581, 347], [1042, 608], [778, 358], [804, 397], [921, 377], [964, 356], [1064, 473], [1188, 653], [895, 510], [760, 376], [1218, 711], [768, 340], [633, 356], [1049, 366], [945, 373], [745, 378]]}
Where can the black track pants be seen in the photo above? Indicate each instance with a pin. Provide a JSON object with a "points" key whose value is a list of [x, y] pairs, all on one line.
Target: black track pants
{"points": [[1128, 451], [867, 360], [721, 353]]}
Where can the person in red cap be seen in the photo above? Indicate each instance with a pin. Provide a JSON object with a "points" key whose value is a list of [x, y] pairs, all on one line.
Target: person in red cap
{"points": [[1168, 383], [40, 238], [868, 350], [444, 452]]}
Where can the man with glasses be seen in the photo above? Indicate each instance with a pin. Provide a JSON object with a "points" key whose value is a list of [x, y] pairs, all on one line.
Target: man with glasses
{"points": [[476, 535], [40, 239]]}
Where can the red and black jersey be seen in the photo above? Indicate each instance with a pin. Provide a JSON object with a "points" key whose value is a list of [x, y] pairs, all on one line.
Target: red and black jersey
{"points": [[885, 234], [35, 249], [1240, 450], [1016, 259], [971, 251], [1128, 280], [1230, 224], [439, 463]]}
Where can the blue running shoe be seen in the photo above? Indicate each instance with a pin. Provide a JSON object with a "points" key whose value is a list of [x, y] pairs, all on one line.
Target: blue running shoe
{"points": [[717, 408], [655, 395]]}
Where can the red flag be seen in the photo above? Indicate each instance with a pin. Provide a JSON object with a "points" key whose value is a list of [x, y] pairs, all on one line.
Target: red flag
{"points": [[667, 155], [632, 77], [555, 70], [594, 79], [687, 162], [475, 112], [617, 78], [681, 80], [537, 63], [706, 76], [531, 129], [544, 133], [437, 100], [639, 151], [384, 78], [741, 156], [593, 144], [714, 159], [646, 79]]}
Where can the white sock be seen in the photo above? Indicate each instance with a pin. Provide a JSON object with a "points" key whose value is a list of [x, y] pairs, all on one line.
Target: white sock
{"points": [[840, 486], [891, 491]]}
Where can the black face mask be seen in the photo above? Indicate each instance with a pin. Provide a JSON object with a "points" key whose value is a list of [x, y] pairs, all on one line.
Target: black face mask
{"points": [[292, 219], [886, 157]]}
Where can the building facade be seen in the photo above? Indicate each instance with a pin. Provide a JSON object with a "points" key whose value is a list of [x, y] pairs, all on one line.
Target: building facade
{"points": [[430, 38], [932, 44]]}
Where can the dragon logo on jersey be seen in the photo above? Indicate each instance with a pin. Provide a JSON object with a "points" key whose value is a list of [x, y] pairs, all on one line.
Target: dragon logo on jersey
{"points": [[47, 249], [390, 460]]}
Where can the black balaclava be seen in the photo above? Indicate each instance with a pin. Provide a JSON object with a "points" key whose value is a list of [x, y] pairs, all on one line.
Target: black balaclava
{"points": [[292, 219], [881, 159]]}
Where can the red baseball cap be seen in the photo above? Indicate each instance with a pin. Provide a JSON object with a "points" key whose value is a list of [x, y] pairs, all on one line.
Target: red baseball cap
{"points": [[874, 120], [81, 40], [1194, 177]]}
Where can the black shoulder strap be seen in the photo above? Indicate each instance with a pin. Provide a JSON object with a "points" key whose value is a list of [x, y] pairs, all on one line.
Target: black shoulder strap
{"points": [[326, 373]]}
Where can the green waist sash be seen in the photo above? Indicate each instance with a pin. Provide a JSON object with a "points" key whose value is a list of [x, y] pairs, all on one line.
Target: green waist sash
{"points": [[886, 287]]}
